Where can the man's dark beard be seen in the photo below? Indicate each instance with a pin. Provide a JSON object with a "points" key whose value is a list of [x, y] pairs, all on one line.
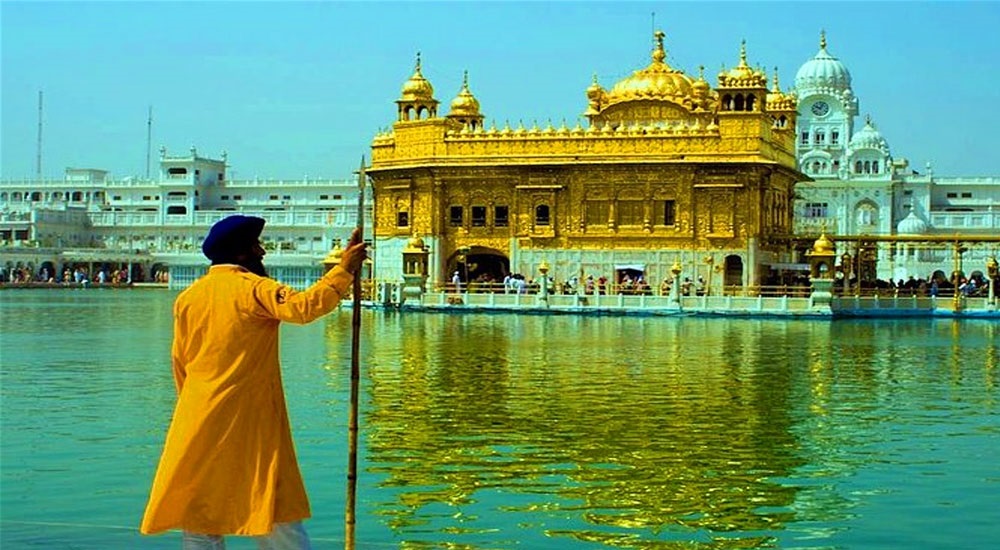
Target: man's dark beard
{"points": [[253, 264]]}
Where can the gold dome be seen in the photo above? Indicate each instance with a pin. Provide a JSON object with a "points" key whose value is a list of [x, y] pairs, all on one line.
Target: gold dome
{"points": [[701, 85], [657, 81], [415, 242], [417, 87], [823, 246], [594, 91], [465, 103]]}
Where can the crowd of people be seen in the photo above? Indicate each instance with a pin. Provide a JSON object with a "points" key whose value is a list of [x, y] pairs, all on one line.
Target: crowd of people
{"points": [[76, 275]]}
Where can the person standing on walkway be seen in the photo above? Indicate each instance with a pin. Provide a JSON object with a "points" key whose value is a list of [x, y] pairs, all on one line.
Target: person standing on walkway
{"points": [[228, 465]]}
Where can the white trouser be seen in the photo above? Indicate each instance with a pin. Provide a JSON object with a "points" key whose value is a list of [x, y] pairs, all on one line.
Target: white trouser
{"points": [[285, 536]]}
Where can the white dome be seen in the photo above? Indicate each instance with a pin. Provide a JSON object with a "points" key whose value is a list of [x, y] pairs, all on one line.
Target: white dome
{"points": [[869, 138], [823, 71], [911, 225]]}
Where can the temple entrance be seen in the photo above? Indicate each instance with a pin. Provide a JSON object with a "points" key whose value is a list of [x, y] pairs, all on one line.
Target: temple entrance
{"points": [[733, 275], [478, 264]]}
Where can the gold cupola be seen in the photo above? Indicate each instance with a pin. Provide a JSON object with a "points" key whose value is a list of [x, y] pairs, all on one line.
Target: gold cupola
{"points": [[465, 107], [657, 81], [465, 103], [743, 89], [417, 87], [416, 100], [596, 97], [653, 95], [743, 75], [781, 106]]}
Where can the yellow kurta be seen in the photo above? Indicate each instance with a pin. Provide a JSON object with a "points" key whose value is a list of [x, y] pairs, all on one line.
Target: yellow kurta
{"points": [[228, 464]]}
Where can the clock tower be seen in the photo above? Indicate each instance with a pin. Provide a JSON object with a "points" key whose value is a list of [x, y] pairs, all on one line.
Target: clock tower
{"points": [[827, 107]]}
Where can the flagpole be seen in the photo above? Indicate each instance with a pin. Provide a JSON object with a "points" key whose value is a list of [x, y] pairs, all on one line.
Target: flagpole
{"points": [[352, 419]]}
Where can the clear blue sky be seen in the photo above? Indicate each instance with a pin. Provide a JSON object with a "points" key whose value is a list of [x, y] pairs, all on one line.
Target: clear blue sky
{"points": [[294, 89]]}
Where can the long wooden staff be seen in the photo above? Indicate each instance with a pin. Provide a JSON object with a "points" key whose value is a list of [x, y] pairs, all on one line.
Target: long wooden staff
{"points": [[352, 419]]}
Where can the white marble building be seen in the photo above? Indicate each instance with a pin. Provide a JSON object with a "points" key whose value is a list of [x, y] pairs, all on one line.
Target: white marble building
{"points": [[859, 188], [158, 224]]}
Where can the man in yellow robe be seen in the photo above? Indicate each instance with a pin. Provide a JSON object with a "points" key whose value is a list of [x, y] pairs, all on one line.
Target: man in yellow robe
{"points": [[228, 464]]}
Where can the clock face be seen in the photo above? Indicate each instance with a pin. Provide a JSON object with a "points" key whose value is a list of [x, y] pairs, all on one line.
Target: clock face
{"points": [[820, 108]]}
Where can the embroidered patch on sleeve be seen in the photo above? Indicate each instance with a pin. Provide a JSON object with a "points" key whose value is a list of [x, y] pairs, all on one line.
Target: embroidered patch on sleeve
{"points": [[282, 295]]}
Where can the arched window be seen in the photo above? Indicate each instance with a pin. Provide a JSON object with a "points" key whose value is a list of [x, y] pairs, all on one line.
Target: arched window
{"points": [[542, 214], [751, 100], [868, 167], [820, 137], [875, 167], [36, 196], [727, 102], [866, 215], [176, 210], [738, 104], [815, 167], [857, 167]]}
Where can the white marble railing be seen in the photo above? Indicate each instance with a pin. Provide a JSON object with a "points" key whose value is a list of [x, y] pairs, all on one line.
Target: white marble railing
{"points": [[965, 220]]}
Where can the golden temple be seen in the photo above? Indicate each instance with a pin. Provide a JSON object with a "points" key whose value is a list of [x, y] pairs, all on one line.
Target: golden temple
{"points": [[667, 170]]}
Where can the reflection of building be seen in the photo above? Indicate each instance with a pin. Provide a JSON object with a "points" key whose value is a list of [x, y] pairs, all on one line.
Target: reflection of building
{"points": [[91, 220], [668, 168], [858, 188]]}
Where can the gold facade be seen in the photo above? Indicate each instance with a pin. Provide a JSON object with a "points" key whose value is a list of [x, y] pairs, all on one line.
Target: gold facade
{"points": [[666, 168]]}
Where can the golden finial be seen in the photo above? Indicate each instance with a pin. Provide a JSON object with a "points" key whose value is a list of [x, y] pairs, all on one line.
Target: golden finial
{"points": [[418, 62], [776, 88], [701, 72], [465, 79], [868, 119], [743, 53], [822, 39], [658, 53]]}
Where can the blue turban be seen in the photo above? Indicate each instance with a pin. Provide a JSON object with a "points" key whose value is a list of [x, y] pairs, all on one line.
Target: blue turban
{"points": [[232, 236]]}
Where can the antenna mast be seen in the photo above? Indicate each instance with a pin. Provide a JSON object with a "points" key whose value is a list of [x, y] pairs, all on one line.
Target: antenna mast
{"points": [[149, 138], [38, 154]]}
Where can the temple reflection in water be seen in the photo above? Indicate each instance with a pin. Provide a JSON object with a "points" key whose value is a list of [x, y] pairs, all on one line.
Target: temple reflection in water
{"points": [[657, 430]]}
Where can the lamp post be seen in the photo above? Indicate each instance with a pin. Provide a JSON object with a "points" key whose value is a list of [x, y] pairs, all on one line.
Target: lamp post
{"points": [[675, 289], [709, 260], [845, 267], [956, 299], [992, 272], [543, 293], [464, 252]]}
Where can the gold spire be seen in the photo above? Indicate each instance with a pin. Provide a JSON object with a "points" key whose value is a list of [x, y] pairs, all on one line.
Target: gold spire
{"points": [[743, 53], [822, 39], [776, 88], [659, 54]]}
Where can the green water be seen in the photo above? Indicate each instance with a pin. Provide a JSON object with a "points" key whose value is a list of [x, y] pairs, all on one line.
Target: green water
{"points": [[502, 431]]}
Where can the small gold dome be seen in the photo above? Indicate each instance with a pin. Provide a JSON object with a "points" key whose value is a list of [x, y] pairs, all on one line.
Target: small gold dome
{"points": [[417, 87], [415, 242], [465, 103], [657, 81], [778, 100], [823, 245], [595, 90]]}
